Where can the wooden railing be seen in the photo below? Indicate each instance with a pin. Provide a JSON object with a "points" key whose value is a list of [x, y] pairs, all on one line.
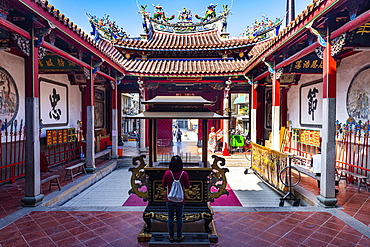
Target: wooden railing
{"points": [[12, 151], [352, 147]]}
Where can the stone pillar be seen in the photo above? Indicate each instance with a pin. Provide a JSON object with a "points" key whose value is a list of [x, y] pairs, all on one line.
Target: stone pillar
{"points": [[33, 196], [114, 133], [90, 127], [327, 183], [253, 114], [275, 112]]}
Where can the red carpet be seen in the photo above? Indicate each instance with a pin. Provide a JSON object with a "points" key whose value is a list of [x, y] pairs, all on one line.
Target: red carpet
{"points": [[224, 200], [134, 200]]}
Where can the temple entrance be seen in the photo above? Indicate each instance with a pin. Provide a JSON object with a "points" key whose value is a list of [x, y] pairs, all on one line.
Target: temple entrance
{"points": [[183, 144]]}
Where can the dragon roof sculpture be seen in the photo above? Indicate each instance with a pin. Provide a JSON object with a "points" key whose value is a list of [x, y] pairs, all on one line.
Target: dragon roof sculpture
{"points": [[263, 28], [104, 28], [160, 21]]}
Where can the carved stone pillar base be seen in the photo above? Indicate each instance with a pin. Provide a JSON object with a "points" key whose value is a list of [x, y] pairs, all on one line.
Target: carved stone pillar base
{"points": [[32, 201], [327, 202]]}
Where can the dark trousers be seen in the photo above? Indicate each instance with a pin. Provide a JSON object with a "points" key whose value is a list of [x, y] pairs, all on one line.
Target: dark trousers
{"points": [[171, 208]]}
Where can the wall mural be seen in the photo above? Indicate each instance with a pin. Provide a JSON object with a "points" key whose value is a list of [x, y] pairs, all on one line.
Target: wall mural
{"points": [[9, 98], [358, 96], [53, 103], [99, 109]]}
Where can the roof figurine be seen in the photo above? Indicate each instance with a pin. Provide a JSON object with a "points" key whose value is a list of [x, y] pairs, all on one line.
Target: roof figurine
{"points": [[106, 29], [209, 15], [185, 15], [263, 28], [145, 15], [159, 14]]}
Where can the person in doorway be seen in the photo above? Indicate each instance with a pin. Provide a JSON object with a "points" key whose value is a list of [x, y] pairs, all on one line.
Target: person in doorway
{"points": [[178, 135], [175, 172], [212, 140]]}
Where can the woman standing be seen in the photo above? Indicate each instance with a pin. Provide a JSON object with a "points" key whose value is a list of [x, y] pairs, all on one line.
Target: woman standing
{"points": [[175, 172], [212, 140]]}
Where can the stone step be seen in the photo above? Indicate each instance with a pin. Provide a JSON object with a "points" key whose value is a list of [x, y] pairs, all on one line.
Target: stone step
{"points": [[191, 239]]}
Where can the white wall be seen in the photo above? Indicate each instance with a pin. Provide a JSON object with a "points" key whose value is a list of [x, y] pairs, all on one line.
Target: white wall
{"points": [[74, 101], [15, 66], [347, 69], [293, 100]]}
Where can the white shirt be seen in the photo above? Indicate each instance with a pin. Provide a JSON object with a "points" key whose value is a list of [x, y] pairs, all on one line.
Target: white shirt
{"points": [[316, 163]]}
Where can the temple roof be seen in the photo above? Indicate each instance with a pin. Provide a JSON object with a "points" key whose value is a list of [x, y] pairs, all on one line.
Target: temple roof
{"points": [[294, 27], [162, 41], [184, 67], [103, 46]]}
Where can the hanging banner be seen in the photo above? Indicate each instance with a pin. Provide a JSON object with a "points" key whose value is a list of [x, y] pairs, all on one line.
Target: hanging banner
{"points": [[309, 64], [53, 103], [308, 137], [359, 36], [311, 104], [54, 63], [60, 136]]}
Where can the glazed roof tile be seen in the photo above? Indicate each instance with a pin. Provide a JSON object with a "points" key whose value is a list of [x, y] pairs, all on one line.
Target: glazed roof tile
{"points": [[259, 51], [103, 46], [185, 67], [209, 40]]}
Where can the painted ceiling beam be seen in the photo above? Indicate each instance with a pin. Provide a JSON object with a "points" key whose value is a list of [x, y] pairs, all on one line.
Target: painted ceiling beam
{"points": [[348, 27], [37, 10], [5, 24], [292, 34], [71, 58]]}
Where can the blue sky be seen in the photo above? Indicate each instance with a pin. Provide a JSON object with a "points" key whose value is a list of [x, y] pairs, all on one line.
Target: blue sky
{"points": [[125, 12]]}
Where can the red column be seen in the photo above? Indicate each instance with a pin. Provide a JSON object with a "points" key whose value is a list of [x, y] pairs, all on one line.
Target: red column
{"points": [[275, 112], [328, 147], [33, 194], [119, 113], [253, 114], [114, 122], [275, 91], [90, 126]]}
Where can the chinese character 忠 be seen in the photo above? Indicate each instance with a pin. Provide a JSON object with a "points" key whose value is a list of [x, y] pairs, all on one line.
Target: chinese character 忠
{"points": [[54, 98]]}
